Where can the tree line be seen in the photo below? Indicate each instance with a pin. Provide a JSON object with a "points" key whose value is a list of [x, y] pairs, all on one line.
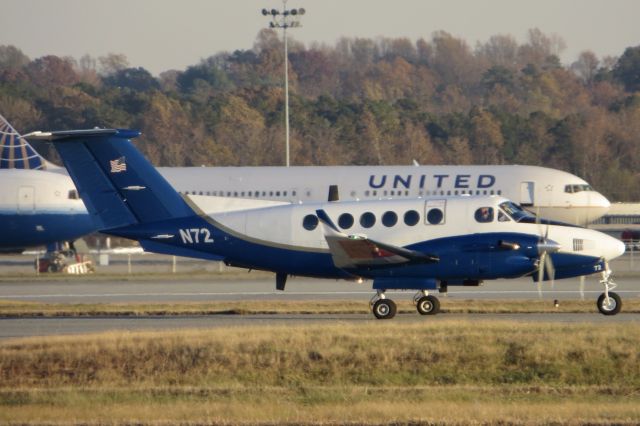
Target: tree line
{"points": [[360, 101]]}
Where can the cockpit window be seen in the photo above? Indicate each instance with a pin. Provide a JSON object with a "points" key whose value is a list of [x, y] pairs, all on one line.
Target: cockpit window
{"points": [[73, 194], [502, 216], [517, 213], [484, 214], [572, 189]]}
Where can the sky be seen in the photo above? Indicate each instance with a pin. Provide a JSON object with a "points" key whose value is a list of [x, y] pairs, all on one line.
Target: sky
{"points": [[164, 35]]}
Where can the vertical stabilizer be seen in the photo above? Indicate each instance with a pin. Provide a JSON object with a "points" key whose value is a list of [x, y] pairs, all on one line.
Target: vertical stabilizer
{"points": [[15, 151], [117, 184]]}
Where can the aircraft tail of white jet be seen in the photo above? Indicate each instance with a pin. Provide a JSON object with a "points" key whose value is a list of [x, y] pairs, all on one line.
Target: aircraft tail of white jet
{"points": [[16, 152]]}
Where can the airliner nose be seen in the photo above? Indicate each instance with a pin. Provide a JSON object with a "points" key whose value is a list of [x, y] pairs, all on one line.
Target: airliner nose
{"points": [[601, 201]]}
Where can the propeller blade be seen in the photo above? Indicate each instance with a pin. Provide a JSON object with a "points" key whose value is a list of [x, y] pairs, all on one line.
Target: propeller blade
{"points": [[541, 262], [551, 270], [539, 290]]}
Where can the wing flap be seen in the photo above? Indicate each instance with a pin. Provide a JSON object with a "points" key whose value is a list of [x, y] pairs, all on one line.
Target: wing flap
{"points": [[357, 251]]}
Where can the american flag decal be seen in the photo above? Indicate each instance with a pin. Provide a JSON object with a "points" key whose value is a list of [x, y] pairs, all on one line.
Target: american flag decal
{"points": [[118, 165]]}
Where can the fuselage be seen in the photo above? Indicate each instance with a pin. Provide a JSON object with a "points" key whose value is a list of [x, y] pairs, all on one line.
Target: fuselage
{"points": [[290, 239], [39, 207], [551, 193]]}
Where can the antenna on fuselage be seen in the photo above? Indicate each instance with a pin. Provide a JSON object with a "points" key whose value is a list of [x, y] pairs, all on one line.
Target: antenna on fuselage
{"points": [[334, 194]]}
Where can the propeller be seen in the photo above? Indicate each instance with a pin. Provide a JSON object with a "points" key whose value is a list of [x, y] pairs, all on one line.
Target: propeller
{"points": [[545, 247]]}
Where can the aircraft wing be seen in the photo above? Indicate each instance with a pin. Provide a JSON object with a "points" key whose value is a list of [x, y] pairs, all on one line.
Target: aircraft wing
{"points": [[357, 251]]}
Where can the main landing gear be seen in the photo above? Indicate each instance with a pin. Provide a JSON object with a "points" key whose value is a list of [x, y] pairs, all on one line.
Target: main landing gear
{"points": [[609, 303], [384, 308]]}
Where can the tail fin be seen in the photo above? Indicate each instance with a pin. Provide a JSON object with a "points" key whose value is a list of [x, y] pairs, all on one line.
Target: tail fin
{"points": [[15, 151], [118, 185]]}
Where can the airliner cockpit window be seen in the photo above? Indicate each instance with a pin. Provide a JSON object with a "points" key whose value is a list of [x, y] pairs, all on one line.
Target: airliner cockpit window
{"points": [[73, 195], [484, 214], [572, 189], [517, 213]]}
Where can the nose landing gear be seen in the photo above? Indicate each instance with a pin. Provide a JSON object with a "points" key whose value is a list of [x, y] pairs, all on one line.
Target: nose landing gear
{"points": [[609, 303]]}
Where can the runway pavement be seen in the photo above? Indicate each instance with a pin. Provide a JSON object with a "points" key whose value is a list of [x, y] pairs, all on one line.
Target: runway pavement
{"points": [[202, 289]]}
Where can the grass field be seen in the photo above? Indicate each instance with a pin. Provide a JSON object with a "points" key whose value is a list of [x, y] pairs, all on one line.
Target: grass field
{"points": [[452, 372]]}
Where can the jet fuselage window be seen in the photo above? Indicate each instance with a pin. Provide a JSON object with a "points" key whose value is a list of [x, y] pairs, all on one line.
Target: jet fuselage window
{"points": [[389, 219], [73, 194], [367, 220], [572, 189], [484, 214], [435, 216], [345, 221], [411, 218], [310, 222]]}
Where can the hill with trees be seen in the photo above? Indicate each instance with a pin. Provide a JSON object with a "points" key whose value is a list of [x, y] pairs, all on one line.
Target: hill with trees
{"points": [[361, 101]]}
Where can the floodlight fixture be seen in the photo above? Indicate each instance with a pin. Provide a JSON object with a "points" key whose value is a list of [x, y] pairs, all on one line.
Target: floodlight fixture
{"points": [[286, 18]]}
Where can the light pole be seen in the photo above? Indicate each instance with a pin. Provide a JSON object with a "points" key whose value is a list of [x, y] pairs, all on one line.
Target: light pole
{"points": [[285, 18]]}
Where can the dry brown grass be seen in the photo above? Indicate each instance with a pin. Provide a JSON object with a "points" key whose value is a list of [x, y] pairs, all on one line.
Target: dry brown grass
{"points": [[380, 373], [35, 309]]}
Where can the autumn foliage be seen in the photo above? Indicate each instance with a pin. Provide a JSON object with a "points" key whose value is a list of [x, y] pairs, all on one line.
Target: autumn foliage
{"points": [[361, 101]]}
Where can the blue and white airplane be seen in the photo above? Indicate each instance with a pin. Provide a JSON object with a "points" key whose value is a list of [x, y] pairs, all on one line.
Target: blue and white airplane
{"points": [[39, 204], [415, 244]]}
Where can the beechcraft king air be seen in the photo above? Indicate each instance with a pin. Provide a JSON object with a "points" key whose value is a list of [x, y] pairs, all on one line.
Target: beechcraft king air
{"points": [[412, 244]]}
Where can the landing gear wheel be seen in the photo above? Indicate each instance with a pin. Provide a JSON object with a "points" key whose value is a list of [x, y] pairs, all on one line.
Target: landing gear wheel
{"points": [[428, 305], [610, 307], [384, 309]]}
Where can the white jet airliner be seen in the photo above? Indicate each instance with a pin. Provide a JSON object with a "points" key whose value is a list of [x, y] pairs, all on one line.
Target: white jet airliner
{"points": [[551, 193]]}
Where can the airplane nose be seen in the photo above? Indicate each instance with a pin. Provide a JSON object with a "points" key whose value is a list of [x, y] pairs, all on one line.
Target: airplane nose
{"points": [[601, 201], [613, 248]]}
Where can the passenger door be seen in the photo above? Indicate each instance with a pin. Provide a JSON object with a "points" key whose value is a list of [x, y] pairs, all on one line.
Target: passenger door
{"points": [[527, 194]]}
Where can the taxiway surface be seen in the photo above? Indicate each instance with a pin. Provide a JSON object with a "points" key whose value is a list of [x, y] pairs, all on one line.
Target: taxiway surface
{"points": [[219, 289], [201, 289]]}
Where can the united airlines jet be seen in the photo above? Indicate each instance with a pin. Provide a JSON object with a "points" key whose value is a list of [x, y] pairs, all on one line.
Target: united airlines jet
{"points": [[551, 193]]}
